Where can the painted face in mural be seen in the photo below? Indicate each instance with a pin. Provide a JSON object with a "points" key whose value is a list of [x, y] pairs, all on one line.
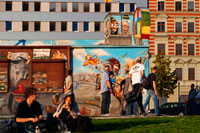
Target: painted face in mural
{"points": [[125, 27], [114, 27], [115, 65]]}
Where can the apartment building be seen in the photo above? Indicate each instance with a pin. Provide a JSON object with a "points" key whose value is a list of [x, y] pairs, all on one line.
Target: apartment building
{"points": [[58, 19], [175, 28]]}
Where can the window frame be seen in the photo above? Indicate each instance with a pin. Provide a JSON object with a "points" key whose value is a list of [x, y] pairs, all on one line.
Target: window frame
{"points": [[25, 3], [99, 26], [158, 48], [121, 9], [84, 26], [159, 26], [176, 29], [35, 23], [8, 5], [188, 6], [52, 29], [63, 23], [178, 50], [179, 75], [161, 7], [25, 28], [74, 24], [189, 28], [191, 48], [63, 3], [10, 24], [74, 4], [95, 7], [85, 7], [54, 6], [176, 8], [191, 77], [39, 6]]}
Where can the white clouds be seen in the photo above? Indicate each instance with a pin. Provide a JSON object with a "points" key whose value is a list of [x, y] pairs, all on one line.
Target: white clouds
{"points": [[79, 54], [99, 52], [99, 42], [36, 43], [65, 42]]}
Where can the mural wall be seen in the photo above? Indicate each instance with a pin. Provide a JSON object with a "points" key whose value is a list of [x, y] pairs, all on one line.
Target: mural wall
{"points": [[88, 66]]}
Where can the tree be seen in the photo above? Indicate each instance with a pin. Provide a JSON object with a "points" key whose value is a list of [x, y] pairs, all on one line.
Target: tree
{"points": [[166, 81]]}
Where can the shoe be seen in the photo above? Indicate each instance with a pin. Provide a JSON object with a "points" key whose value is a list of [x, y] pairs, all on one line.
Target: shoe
{"points": [[105, 114], [143, 114]]}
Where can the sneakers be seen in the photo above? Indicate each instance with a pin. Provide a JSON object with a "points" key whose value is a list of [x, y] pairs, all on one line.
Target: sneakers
{"points": [[105, 114], [143, 114]]}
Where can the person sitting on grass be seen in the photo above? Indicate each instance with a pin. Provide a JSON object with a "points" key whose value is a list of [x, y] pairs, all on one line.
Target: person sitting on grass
{"points": [[29, 113]]}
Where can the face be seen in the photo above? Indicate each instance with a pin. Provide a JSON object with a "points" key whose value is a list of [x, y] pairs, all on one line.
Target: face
{"points": [[114, 26], [125, 27], [34, 96], [116, 68], [107, 69], [111, 76]]}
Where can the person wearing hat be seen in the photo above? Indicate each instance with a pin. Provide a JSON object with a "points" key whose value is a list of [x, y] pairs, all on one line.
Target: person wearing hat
{"points": [[137, 74]]}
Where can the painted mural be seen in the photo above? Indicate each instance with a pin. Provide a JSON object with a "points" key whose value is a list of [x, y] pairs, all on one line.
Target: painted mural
{"points": [[88, 66]]}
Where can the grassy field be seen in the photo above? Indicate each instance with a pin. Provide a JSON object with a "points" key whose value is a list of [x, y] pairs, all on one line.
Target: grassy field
{"points": [[188, 124]]}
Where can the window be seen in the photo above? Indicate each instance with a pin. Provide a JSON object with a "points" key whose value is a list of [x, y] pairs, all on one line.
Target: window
{"points": [[37, 26], [161, 6], [97, 7], [37, 6], [121, 7], [86, 26], [8, 25], [179, 73], [178, 26], [161, 48], [190, 6], [75, 7], [190, 49], [52, 26], [108, 7], [178, 49], [63, 26], [52, 7], [132, 7], [25, 6], [191, 74], [86, 7], [161, 26], [178, 6], [25, 26], [97, 26], [190, 26], [74, 26], [63, 7], [8, 6]]}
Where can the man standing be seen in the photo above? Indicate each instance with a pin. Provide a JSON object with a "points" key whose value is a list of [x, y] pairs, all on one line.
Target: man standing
{"points": [[137, 73], [105, 91], [28, 111], [152, 91]]}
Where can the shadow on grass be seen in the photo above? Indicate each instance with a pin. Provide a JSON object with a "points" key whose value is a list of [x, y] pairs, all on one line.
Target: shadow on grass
{"points": [[122, 125]]}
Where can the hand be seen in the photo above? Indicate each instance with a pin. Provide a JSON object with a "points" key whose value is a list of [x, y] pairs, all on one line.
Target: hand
{"points": [[111, 91], [74, 116], [156, 93], [34, 120]]}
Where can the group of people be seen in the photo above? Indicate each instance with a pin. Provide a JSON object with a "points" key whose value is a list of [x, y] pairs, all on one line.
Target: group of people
{"points": [[194, 101], [132, 89], [29, 117]]}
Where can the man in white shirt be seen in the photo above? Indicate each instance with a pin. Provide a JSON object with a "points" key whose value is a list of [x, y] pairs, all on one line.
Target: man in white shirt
{"points": [[137, 74]]}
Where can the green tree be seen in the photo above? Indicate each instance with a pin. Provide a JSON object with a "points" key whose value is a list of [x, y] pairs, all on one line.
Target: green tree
{"points": [[166, 80]]}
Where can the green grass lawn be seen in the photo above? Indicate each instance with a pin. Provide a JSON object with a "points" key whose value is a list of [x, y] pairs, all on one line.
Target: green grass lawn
{"points": [[188, 124]]}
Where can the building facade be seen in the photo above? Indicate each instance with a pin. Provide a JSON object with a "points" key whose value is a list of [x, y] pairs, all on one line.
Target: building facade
{"points": [[59, 19], [43, 31], [175, 29]]}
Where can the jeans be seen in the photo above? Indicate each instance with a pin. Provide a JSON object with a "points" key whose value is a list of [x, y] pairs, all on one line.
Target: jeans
{"points": [[151, 93], [105, 104], [132, 108]]}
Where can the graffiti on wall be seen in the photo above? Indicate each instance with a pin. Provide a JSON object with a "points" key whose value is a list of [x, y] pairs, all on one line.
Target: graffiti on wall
{"points": [[88, 64]]}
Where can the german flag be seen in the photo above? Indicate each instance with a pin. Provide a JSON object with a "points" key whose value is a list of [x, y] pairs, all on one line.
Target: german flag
{"points": [[106, 1]]}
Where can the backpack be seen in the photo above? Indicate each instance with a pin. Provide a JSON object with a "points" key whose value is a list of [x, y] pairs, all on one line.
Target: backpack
{"points": [[147, 82]]}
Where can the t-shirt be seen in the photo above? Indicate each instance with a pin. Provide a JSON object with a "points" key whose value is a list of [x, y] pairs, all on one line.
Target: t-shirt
{"points": [[104, 78], [152, 78], [136, 72], [24, 111], [127, 87], [68, 82]]}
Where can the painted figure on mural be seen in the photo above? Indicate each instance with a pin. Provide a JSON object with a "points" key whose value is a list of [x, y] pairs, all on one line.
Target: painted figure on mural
{"points": [[125, 25], [114, 26], [19, 67]]}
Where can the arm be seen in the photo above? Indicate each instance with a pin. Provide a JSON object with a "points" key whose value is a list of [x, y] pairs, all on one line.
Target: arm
{"points": [[154, 87], [143, 75], [23, 120], [108, 83]]}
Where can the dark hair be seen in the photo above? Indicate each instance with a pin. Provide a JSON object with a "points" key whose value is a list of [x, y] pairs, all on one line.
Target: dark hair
{"points": [[107, 66], [111, 73], [155, 68], [69, 72], [29, 91]]}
